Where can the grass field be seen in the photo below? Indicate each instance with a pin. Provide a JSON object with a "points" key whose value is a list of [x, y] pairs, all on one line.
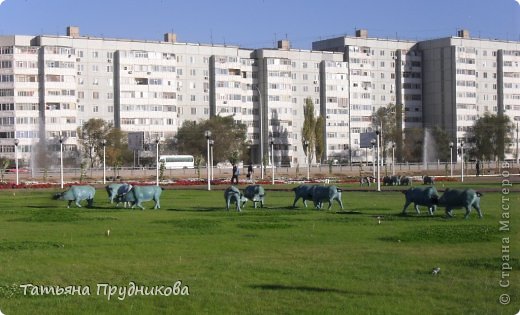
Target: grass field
{"points": [[275, 260]]}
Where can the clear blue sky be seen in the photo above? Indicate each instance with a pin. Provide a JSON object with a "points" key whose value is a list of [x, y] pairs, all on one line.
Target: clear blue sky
{"points": [[259, 23]]}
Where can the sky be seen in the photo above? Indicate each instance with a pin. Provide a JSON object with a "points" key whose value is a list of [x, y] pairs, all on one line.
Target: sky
{"points": [[260, 23]]}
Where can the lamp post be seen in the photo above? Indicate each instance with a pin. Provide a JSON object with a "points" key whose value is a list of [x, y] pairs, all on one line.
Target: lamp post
{"points": [[16, 142], [378, 132], [462, 161], [207, 134], [272, 160], [104, 143], [451, 158], [61, 159], [393, 158], [211, 144], [373, 142], [260, 113], [157, 161], [305, 148]]}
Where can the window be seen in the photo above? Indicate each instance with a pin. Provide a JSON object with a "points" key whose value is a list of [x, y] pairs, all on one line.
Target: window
{"points": [[95, 108], [194, 111]]}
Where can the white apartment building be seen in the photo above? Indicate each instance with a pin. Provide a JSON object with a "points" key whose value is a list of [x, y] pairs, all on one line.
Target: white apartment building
{"points": [[465, 77], [51, 85], [447, 82]]}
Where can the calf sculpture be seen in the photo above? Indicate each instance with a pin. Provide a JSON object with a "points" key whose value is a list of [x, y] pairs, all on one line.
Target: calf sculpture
{"points": [[458, 198], [138, 194], [421, 196], [233, 195], [256, 194], [77, 194]]}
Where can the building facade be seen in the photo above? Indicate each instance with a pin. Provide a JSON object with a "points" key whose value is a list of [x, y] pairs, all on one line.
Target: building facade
{"points": [[51, 85], [447, 82]]}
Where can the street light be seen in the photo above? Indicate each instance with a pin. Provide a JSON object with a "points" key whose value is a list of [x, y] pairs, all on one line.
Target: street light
{"points": [[305, 148], [393, 158], [462, 160], [378, 132], [211, 144], [272, 160], [260, 113], [207, 134], [104, 143], [61, 139], [373, 142], [157, 161], [451, 158], [16, 141]]}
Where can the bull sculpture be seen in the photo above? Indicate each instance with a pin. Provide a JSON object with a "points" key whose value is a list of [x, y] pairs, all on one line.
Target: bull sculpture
{"points": [[458, 198], [139, 194], [421, 196], [326, 193], [392, 180], [256, 194], [405, 181], [304, 192], [77, 194], [233, 195], [428, 180], [114, 190]]}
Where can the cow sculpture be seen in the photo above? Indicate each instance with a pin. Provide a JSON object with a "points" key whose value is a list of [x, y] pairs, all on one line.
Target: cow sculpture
{"points": [[77, 194], [405, 181], [138, 194], [233, 195], [459, 198], [428, 180], [114, 190], [326, 193], [256, 194], [392, 180], [304, 192], [421, 196]]}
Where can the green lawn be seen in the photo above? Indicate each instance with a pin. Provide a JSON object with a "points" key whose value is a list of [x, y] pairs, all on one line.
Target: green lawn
{"points": [[275, 260]]}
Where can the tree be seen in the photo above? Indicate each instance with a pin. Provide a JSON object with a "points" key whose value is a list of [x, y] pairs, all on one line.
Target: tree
{"points": [[413, 144], [117, 152], [319, 130], [385, 119], [442, 143], [490, 135], [308, 129], [90, 135], [229, 138]]}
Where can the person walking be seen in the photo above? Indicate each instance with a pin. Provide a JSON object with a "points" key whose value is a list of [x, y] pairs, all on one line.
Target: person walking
{"points": [[234, 176], [477, 167], [250, 171]]}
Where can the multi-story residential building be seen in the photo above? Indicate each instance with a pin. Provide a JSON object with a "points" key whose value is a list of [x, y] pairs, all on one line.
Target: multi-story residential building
{"points": [[287, 77], [447, 82], [380, 72], [465, 77], [51, 85]]}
